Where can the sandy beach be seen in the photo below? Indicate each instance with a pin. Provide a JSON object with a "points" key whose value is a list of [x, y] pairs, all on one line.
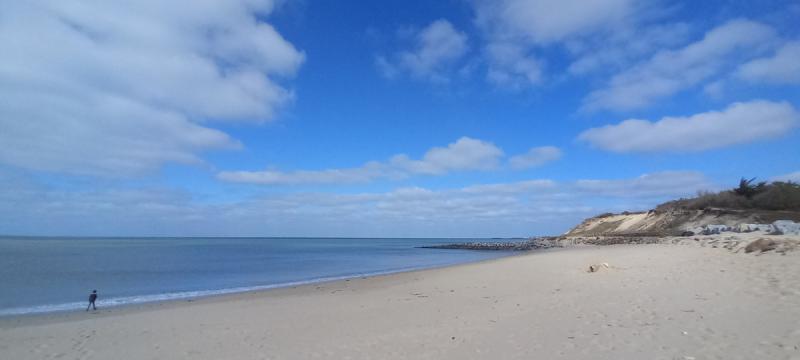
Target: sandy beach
{"points": [[653, 302]]}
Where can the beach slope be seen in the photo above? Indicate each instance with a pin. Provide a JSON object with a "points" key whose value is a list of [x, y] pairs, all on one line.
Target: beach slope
{"points": [[651, 302]]}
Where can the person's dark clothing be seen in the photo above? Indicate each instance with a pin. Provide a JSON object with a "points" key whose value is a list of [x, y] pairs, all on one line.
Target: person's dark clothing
{"points": [[92, 299]]}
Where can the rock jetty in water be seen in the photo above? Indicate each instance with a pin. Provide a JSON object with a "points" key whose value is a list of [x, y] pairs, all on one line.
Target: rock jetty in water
{"points": [[529, 244]]}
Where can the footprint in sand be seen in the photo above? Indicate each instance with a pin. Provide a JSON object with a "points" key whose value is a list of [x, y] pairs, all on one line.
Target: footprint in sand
{"points": [[79, 344]]}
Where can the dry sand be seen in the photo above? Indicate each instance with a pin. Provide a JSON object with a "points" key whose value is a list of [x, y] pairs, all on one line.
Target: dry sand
{"points": [[654, 302]]}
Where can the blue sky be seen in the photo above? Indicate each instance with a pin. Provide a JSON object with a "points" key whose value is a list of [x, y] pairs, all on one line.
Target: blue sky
{"points": [[392, 118]]}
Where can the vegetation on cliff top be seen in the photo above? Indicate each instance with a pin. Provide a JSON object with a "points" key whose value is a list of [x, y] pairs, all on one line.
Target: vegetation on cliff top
{"points": [[776, 195]]}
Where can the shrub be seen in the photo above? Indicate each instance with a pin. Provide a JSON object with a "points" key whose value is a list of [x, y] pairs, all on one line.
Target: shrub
{"points": [[748, 190], [777, 195]]}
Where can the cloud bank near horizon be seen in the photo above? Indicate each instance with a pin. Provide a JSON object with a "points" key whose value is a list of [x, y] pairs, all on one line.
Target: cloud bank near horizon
{"points": [[495, 209]]}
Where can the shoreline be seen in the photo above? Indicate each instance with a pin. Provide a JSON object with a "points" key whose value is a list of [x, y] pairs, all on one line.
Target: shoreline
{"points": [[224, 294], [659, 301], [735, 242]]}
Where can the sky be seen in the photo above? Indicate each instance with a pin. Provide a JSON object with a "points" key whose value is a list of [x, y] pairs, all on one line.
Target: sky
{"points": [[452, 118]]}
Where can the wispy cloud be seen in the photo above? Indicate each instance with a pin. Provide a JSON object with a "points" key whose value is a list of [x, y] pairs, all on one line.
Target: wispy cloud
{"points": [[497, 209], [519, 33], [781, 68], [366, 173], [625, 46], [436, 49], [512, 65], [661, 184], [738, 123], [671, 71], [537, 156]]}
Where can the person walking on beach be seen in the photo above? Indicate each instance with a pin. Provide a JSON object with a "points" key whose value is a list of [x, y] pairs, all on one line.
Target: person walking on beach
{"points": [[92, 299]]}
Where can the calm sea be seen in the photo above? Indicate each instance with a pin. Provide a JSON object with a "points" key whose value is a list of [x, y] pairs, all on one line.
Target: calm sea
{"points": [[57, 274]]}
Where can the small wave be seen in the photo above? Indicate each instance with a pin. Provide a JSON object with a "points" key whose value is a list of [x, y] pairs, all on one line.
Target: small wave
{"points": [[140, 299]]}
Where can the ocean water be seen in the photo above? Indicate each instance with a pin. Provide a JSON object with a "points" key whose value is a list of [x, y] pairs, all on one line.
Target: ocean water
{"points": [[57, 274]]}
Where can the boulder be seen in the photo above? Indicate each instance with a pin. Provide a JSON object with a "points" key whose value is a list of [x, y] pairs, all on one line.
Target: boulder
{"points": [[761, 245], [786, 227], [746, 228]]}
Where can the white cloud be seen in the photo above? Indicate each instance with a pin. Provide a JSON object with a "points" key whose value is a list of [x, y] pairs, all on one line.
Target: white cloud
{"points": [[782, 68], [436, 49], [671, 71], [103, 88], [547, 21], [537, 156], [365, 173], [616, 50], [737, 124], [512, 66], [598, 35], [463, 155], [102, 135], [500, 209]]}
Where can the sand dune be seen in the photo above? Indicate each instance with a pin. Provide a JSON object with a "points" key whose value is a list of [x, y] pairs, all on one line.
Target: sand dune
{"points": [[652, 302]]}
